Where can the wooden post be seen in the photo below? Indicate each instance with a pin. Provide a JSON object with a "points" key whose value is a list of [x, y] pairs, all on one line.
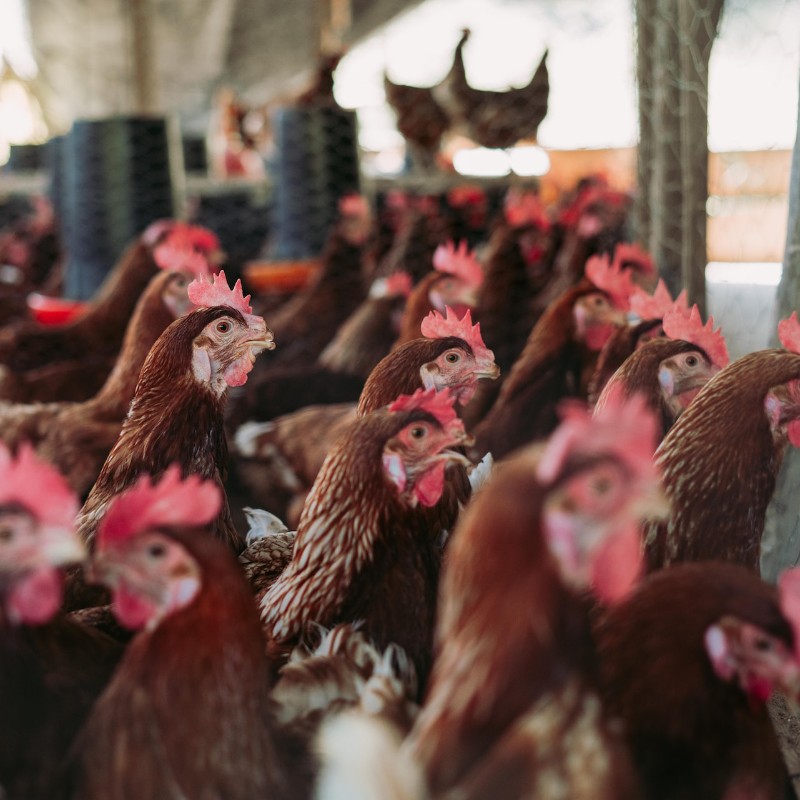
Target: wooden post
{"points": [[143, 57]]}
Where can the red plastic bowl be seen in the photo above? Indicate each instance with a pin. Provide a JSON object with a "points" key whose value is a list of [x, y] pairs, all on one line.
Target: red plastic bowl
{"points": [[54, 310]]}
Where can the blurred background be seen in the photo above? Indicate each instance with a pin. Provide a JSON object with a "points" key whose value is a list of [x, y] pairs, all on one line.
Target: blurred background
{"points": [[255, 116]]}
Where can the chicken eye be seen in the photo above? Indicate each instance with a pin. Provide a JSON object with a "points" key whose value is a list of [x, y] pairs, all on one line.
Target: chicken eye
{"points": [[602, 485], [417, 432], [223, 327], [6, 534], [763, 645], [691, 361], [452, 358], [156, 551]]}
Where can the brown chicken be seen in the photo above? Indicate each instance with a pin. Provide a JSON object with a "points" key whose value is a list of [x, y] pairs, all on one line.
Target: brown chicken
{"points": [[287, 453], [720, 461], [557, 362], [99, 331], [363, 549], [688, 662], [77, 437], [670, 372], [187, 713], [491, 118], [455, 281], [512, 699], [51, 669], [176, 412]]}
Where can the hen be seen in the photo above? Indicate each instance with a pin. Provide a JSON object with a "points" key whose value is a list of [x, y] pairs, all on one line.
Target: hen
{"points": [[557, 361], [720, 462], [187, 712], [99, 331], [670, 372], [176, 413], [491, 118], [77, 437], [512, 697], [363, 549], [688, 662], [51, 669]]}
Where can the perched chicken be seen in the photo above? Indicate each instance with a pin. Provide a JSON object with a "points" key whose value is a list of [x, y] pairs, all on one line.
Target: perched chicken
{"points": [[420, 119], [99, 331], [187, 713], [721, 458], [491, 118], [557, 361], [176, 412], [363, 549], [511, 702], [670, 372], [688, 662], [51, 669]]}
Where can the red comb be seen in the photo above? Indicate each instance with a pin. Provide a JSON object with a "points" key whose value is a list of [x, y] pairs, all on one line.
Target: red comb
{"points": [[625, 253], [178, 252], [354, 205], [155, 230], [435, 326], [654, 306], [789, 598], [439, 404], [623, 427], [459, 262], [204, 239], [37, 486], [205, 294], [399, 284], [682, 323], [789, 333], [615, 281], [525, 208], [147, 505]]}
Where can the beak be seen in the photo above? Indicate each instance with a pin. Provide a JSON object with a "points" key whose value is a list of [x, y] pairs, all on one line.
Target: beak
{"points": [[60, 547], [490, 371], [454, 457]]}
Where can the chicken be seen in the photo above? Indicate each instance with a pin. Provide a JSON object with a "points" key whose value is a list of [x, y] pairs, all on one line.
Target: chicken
{"points": [[491, 118], [688, 662], [420, 119], [363, 549], [670, 372], [309, 320], [51, 669], [512, 700], [187, 712], [720, 462], [176, 412], [557, 361], [455, 281], [291, 449], [100, 329]]}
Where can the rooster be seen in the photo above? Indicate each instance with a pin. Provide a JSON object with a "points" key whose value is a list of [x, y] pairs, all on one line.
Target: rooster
{"points": [[187, 712], [363, 548], [557, 360], [671, 371], [51, 669], [721, 458], [100, 329], [176, 412], [687, 662]]}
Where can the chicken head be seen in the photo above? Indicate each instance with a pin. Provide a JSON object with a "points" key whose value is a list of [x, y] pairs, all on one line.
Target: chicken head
{"points": [[416, 457]]}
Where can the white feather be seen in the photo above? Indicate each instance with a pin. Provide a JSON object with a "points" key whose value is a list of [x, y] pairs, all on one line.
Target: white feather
{"points": [[262, 524]]}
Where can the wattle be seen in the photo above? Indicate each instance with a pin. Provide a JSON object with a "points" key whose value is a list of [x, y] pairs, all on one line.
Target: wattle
{"points": [[430, 485], [132, 610], [37, 597]]}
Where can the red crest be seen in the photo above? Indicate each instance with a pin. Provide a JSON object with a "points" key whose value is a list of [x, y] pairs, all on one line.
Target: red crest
{"points": [[682, 323], [656, 305], [459, 262], [789, 333], [205, 294], [612, 279], [435, 326], [440, 405]]}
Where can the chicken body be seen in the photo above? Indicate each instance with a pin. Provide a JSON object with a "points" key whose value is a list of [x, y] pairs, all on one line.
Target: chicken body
{"points": [[692, 734]]}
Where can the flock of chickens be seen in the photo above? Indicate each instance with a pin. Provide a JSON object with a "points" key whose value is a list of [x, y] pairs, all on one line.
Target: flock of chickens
{"points": [[483, 522]]}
